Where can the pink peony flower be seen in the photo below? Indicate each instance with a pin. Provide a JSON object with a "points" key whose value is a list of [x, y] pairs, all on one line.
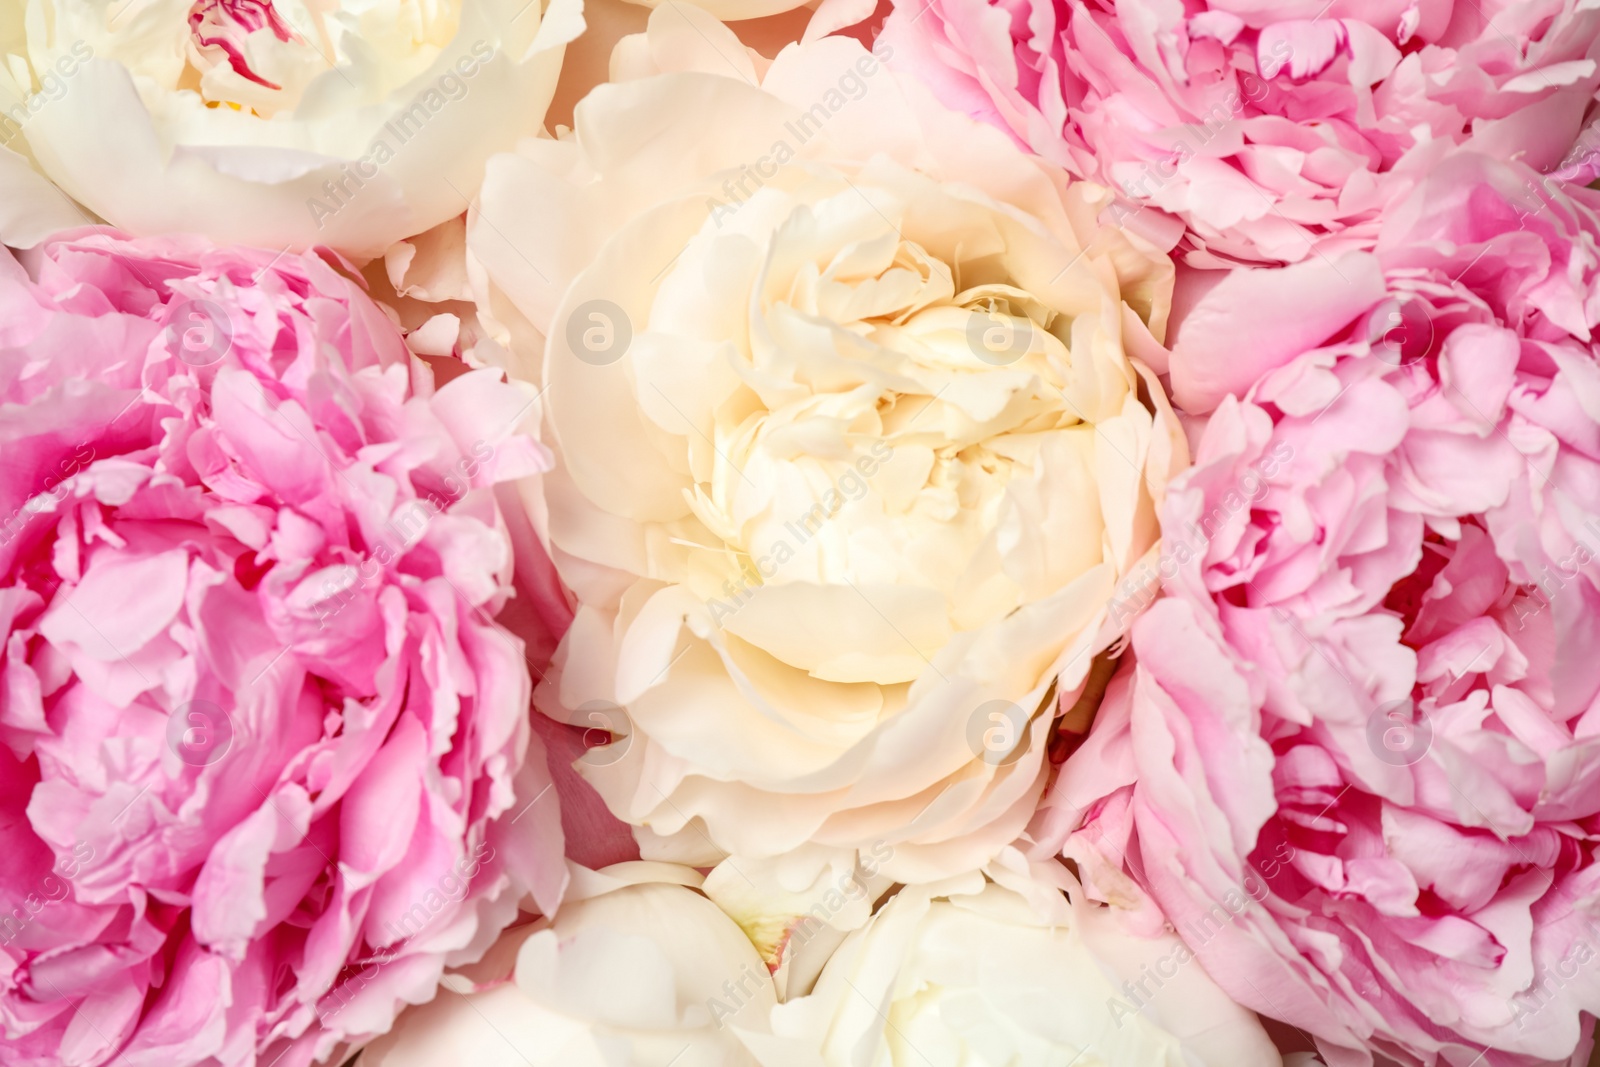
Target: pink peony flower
{"points": [[1267, 129], [263, 745], [1357, 764]]}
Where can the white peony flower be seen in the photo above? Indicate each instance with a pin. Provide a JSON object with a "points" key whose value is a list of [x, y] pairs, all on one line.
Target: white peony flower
{"points": [[637, 969], [1002, 969], [853, 451], [345, 123]]}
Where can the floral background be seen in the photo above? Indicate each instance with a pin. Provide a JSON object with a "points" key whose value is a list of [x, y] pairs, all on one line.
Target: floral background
{"points": [[571, 533]]}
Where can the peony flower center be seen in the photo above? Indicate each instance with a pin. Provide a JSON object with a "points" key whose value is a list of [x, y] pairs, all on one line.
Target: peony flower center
{"points": [[906, 464], [1477, 638], [261, 56], [221, 30]]}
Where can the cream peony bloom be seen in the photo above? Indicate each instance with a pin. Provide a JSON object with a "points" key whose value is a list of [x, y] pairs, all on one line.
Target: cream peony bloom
{"points": [[1007, 970], [637, 969], [346, 123], [852, 452]]}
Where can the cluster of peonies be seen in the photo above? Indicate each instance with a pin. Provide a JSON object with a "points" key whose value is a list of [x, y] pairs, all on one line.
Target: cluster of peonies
{"points": [[1037, 534]]}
